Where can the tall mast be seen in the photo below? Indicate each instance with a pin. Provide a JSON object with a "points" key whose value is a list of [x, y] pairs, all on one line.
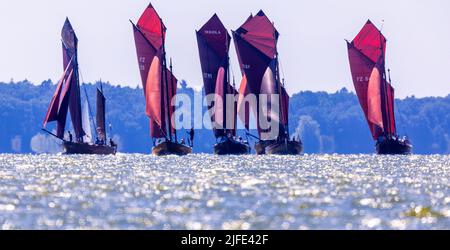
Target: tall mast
{"points": [[172, 94], [78, 91], [101, 90], [287, 115], [164, 82], [225, 86], [383, 86]]}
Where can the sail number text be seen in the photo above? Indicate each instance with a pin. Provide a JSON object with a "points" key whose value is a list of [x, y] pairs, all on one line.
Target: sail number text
{"points": [[207, 75], [362, 78], [141, 63], [213, 32]]}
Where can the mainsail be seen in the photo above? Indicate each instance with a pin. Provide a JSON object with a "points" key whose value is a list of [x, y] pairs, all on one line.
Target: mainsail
{"points": [[67, 95], [70, 50], [159, 85], [256, 46], [214, 44], [58, 108], [100, 115], [376, 95]]}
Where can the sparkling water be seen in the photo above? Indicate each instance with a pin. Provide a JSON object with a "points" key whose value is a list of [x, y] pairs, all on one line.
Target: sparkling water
{"points": [[213, 192]]}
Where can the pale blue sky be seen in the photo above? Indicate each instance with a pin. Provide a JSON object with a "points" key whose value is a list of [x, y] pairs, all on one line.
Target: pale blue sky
{"points": [[312, 47]]}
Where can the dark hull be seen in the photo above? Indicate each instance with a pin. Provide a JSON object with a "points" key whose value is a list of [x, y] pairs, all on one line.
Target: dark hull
{"points": [[393, 147], [279, 148], [87, 149], [171, 148], [231, 147]]}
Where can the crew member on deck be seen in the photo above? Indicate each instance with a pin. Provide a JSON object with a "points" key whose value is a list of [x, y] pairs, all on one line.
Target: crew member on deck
{"points": [[191, 137], [70, 136], [111, 142]]}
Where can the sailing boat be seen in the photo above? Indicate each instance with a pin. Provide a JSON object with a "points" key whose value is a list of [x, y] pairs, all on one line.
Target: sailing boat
{"points": [[256, 46], [159, 84], [67, 97], [375, 92], [214, 44]]}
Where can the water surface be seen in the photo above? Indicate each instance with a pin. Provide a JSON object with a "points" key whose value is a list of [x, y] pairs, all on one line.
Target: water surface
{"points": [[211, 192]]}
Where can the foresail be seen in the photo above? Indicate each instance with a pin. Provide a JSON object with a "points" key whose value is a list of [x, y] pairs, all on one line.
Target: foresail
{"points": [[156, 99], [87, 124], [243, 106], [375, 114], [59, 105], [53, 109], [219, 122], [269, 107], [154, 92], [64, 106]]}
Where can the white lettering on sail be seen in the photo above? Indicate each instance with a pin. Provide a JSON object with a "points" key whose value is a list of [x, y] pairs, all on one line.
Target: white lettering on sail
{"points": [[246, 66], [142, 67], [142, 59], [207, 75], [213, 32], [362, 78]]}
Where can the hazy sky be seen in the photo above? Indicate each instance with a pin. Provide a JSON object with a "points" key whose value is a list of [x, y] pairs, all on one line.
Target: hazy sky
{"points": [[311, 46]]}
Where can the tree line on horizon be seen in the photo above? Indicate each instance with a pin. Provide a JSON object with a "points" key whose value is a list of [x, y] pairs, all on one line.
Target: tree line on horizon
{"points": [[326, 122]]}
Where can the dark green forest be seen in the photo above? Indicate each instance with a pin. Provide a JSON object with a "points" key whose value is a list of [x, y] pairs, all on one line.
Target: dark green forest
{"points": [[326, 122]]}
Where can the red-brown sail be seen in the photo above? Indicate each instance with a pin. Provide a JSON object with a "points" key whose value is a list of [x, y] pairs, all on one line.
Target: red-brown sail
{"points": [[59, 105], [375, 114], [54, 107], [376, 96], [67, 94], [145, 53], [159, 86], [285, 107], [260, 32], [100, 115], [369, 42], [256, 46], [151, 25], [70, 50], [392, 130], [244, 108], [214, 43]]}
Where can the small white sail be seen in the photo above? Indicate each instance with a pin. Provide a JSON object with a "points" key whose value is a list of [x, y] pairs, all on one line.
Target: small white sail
{"points": [[87, 124]]}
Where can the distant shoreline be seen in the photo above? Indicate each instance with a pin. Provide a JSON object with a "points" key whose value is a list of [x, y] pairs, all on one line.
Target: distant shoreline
{"points": [[199, 88]]}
